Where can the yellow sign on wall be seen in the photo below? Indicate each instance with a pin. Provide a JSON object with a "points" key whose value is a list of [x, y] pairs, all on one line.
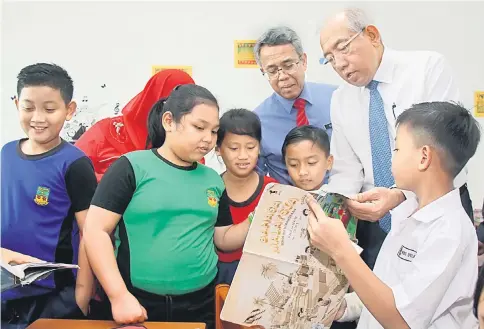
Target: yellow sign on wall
{"points": [[244, 54], [157, 68], [479, 104]]}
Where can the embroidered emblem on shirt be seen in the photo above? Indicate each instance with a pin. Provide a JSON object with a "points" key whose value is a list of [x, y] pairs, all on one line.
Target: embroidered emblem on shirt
{"points": [[42, 196], [212, 198], [406, 254]]}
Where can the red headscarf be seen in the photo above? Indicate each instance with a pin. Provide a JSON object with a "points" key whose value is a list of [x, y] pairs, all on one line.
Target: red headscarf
{"points": [[110, 138], [135, 113]]}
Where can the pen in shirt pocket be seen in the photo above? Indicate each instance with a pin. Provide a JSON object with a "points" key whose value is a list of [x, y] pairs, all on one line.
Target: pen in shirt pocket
{"points": [[394, 106]]}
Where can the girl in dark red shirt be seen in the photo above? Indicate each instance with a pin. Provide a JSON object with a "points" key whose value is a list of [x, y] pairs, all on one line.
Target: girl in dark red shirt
{"points": [[238, 144]]}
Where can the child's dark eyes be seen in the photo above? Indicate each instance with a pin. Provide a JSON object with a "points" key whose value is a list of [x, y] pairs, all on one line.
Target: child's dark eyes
{"points": [[50, 110], [236, 148], [214, 132]]}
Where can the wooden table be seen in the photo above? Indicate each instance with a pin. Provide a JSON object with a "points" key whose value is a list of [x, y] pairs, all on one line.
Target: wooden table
{"points": [[89, 324]]}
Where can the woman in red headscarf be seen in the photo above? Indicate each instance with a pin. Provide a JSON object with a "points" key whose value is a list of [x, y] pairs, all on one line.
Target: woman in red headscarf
{"points": [[110, 138]]}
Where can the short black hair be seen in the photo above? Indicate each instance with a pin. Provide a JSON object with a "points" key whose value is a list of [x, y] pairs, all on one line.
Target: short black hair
{"points": [[478, 290], [239, 122], [447, 126], [307, 133], [44, 74]]}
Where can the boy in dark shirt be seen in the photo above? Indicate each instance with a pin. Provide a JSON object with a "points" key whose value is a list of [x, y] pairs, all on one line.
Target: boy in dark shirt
{"points": [[47, 186]]}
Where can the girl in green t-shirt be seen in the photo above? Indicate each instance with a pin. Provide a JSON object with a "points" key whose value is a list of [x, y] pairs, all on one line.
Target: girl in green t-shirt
{"points": [[168, 212]]}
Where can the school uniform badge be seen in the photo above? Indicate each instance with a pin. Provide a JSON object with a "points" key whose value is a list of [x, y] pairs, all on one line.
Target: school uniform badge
{"points": [[42, 196], [212, 198]]}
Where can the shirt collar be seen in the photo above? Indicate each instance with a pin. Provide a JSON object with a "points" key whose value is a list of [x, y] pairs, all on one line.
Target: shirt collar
{"points": [[439, 207], [387, 67], [288, 104], [430, 212]]}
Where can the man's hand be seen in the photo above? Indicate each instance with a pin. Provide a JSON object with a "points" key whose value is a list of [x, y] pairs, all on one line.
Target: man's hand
{"points": [[10, 256], [375, 203], [327, 234], [127, 310]]}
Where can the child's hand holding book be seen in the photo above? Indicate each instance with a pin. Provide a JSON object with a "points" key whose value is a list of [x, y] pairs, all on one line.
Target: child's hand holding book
{"points": [[326, 233]]}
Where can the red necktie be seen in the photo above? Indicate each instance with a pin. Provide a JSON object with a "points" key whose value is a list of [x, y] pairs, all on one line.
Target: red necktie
{"points": [[301, 118]]}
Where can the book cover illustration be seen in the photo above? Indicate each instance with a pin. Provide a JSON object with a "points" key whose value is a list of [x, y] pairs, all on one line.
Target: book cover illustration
{"points": [[282, 281], [333, 205]]}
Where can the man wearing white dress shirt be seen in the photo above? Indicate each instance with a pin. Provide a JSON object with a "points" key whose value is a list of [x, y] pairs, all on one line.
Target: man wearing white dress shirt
{"points": [[380, 84]]}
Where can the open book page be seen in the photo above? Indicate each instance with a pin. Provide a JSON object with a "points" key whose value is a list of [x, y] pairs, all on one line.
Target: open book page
{"points": [[276, 294], [45, 267], [282, 281], [35, 276], [279, 226]]}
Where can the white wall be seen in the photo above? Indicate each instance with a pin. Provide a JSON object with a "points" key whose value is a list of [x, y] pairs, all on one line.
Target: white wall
{"points": [[116, 43]]}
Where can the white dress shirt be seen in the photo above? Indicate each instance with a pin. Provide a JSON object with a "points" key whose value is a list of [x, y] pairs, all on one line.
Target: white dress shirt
{"points": [[406, 78], [429, 261]]}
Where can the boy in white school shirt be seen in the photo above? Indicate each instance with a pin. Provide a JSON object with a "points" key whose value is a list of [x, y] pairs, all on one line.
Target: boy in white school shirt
{"points": [[425, 273]]}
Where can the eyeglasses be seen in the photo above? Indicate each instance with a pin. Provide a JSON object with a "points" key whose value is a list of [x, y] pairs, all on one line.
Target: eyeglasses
{"points": [[341, 50], [288, 68]]}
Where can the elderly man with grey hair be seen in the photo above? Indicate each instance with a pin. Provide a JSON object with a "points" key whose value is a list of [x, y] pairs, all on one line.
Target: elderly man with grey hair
{"points": [[295, 102], [381, 83]]}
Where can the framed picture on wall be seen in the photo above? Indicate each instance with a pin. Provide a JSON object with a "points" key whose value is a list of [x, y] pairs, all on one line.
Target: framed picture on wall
{"points": [[157, 68], [479, 104], [244, 54]]}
